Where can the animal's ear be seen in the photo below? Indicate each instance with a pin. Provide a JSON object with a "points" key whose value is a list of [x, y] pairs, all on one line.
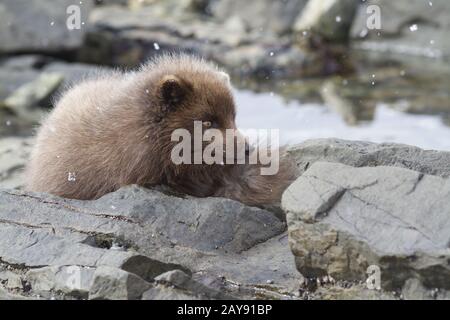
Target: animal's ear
{"points": [[173, 90]]}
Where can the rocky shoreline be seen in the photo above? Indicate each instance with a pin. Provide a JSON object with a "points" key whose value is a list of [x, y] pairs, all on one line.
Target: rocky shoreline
{"points": [[354, 205]]}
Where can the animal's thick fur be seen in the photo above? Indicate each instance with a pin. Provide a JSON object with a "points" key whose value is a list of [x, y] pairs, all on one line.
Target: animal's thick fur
{"points": [[115, 130]]}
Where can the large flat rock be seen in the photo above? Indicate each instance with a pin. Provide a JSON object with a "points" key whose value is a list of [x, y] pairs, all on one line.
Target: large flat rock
{"points": [[142, 233], [368, 154], [343, 219]]}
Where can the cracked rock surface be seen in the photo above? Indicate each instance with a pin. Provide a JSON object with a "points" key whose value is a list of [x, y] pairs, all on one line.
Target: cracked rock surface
{"points": [[115, 247], [356, 204], [343, 219]]}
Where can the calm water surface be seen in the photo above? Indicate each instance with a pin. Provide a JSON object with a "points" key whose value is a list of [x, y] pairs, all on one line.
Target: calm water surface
{"points": [[298, 122]]}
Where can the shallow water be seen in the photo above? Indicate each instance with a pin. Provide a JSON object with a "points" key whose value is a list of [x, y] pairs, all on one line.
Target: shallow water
{"points": [[298, 122]]}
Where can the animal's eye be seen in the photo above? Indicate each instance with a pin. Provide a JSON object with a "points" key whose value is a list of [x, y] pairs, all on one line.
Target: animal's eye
{"points": [[207, 124]]}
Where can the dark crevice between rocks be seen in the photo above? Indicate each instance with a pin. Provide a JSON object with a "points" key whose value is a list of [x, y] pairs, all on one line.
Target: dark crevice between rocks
{"points": [[276, 210], [18, 267], [107, 241], [27, 225], [73, 295], [260, 242]]}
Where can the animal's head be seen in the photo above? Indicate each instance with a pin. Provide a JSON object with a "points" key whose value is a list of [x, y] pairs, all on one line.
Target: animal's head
{"points": [[192, 95]]}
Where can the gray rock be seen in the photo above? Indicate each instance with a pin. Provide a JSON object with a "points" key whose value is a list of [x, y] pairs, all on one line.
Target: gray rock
{"points": [[39, 26], [221, 241], [33, 246], [74, 72], [31, 81], [414, 290], [415, 28], [183, 281], [5, 295], [115, 284], [205, 224], [11, 280], [170, 8], [331, 19], [112, 2], [119, 36], [367, 154], [24, 62], [72, 280], [12, 79], [355, 292], [342, 220], [269, 261], [31, 94], [18, 110], [175, 277], [264, 15], [14, 154], [163, 292], [26, 68], [22, 247]]}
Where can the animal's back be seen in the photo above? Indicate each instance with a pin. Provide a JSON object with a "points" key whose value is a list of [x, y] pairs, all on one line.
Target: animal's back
{"points": [[75, 141], [117, 130]]}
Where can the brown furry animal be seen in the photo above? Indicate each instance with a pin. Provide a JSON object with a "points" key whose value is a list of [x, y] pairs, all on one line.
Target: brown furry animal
{"points": [[115, 130]]}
